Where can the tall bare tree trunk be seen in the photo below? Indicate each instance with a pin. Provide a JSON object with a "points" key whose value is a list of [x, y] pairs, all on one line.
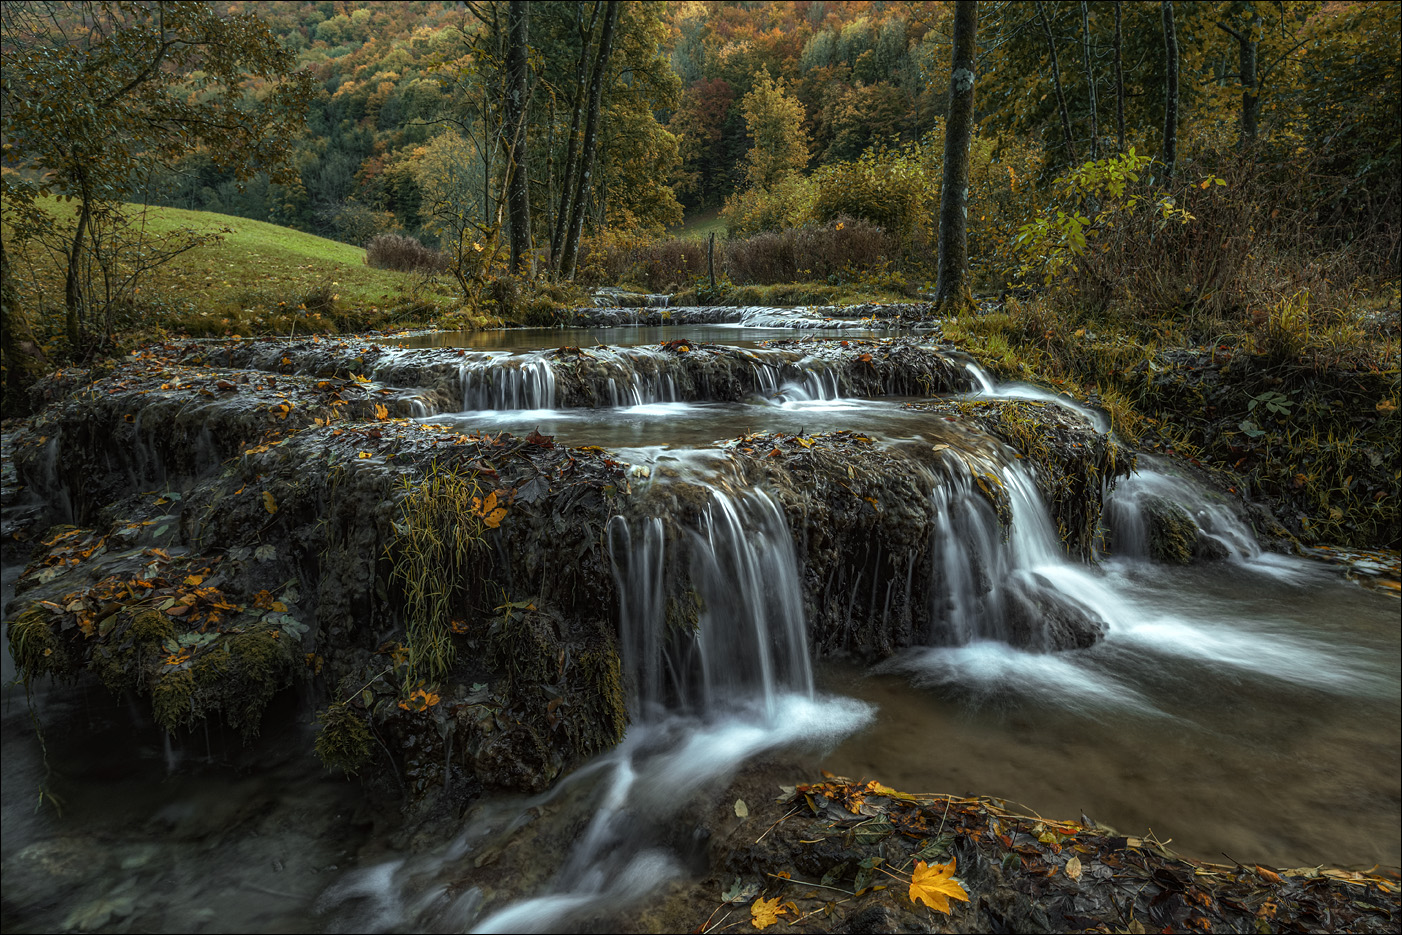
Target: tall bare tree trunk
{"points": [[1119, 79], [1250, 82], [1090, 81], [518, 196], [568, 183], [952, 288], [569, 253], [1056, 86], [1170, 107]]}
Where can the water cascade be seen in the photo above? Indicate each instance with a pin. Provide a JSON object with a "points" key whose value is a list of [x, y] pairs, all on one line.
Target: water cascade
{"points": [[709, 531]]}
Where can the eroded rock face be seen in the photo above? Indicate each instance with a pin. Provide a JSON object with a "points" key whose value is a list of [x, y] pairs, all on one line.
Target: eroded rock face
{"points": [[259, 515]]}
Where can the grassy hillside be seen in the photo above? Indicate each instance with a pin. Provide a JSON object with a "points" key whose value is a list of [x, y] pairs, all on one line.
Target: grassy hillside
{"points": [[698, 225], [257, 278]]}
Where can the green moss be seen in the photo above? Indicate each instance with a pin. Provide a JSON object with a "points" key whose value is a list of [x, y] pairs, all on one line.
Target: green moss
{"points": [[1172, 533], [133, 649], [684, 611], [173, 698], [36, 648], [343, 739], [236, 676], [441, 529], [601, 678]]}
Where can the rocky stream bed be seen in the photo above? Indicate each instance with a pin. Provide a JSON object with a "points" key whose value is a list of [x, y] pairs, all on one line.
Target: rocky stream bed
{"points": [[226, 532]]}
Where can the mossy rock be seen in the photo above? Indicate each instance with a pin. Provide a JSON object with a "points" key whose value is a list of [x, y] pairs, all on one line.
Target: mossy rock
{"points": [[1171, 532], [237, 675], [343, 740], [36, 649], [132, 650]]}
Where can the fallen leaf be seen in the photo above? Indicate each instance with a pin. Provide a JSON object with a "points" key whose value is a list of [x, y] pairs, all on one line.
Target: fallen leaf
{"points": [[765, 912], [934, 884], [269, 503], [741, 809], [1073, 868]]}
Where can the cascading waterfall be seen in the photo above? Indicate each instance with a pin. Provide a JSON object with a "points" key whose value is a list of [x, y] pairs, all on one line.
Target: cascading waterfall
{"points": [[750, 642], [1126, 507], [704, 701], [508, 384], [643, 376], [1018, 588]]}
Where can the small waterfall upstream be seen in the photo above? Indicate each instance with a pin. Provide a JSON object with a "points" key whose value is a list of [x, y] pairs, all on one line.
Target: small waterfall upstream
{"points": [[640, 377]]}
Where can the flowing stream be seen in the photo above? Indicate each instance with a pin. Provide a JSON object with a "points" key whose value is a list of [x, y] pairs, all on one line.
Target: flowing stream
{"points": [[1248, 706]]}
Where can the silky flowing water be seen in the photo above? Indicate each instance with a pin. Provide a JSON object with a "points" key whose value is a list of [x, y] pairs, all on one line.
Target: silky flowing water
{"points": [[1248, 707]]}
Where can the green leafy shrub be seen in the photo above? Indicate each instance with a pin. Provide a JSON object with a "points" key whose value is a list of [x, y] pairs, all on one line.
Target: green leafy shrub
{"points": [[788, 204]]}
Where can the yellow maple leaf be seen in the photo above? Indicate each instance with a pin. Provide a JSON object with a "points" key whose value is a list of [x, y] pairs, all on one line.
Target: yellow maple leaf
{"points": [[381, 411], [269, 503], [765, 912], [935, 885]]}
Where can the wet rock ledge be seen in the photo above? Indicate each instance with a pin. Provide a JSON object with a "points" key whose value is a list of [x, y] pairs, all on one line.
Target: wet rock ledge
{"points": [[226, 522]]}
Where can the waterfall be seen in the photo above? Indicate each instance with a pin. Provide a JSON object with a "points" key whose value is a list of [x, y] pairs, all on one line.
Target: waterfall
{"points": [[495, 383], [741, 595], [1129, 508], [1017, 587]]}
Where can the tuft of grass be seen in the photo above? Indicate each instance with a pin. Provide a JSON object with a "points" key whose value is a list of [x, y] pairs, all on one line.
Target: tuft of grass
{"points": [[441, 526]]}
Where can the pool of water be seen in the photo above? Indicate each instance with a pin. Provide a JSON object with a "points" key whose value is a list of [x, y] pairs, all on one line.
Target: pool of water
{"points": [[534, 339], [1248, 709]]}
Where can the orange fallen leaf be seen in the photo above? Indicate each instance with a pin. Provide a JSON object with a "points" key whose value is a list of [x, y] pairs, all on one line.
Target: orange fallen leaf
{"points": [[381, 411], [934, 884], [269, 503]]}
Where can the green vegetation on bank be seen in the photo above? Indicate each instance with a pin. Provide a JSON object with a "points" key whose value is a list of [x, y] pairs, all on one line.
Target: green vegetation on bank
{"points": [[245, 277], [1298, 409]]}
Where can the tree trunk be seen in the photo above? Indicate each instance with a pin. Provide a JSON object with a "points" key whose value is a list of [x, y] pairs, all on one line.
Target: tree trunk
{"points": [[1250, 82], [1056, 86], [711, 261], [72, 285], [569, 253], [1119, 79], [567, 182], [1090, 81], [953, 283], [1170, 107], [518, 196]]}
